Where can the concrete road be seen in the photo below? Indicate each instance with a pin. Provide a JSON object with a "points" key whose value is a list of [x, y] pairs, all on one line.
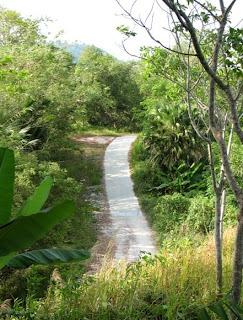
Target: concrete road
{"points": [[132, 233]]}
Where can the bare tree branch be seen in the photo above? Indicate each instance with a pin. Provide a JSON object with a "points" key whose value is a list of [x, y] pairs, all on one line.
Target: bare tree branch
{"points": [[142, 24], [222, 6]]}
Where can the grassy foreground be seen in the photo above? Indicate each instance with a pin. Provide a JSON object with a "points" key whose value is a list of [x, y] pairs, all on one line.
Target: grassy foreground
{"points": [[175, 284]]}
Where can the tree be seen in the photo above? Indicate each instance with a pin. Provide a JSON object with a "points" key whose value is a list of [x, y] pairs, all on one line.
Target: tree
{"points": [[16, 30], [205, 40], [37, 85], [108, 89]]}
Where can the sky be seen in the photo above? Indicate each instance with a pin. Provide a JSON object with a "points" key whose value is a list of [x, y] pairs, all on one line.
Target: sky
{"points": [[92, 22]]}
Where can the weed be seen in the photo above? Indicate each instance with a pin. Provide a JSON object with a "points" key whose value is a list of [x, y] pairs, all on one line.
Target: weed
{"points": [[171, 285]]}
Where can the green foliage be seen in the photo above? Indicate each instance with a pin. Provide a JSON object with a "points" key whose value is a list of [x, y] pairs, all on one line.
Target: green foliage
{"points": [[236, 157], [6, 184], [172, 285], [37, 86], [150, 177], [143, 174], [17, 30], [172, 146], [231, 211], [222, 310], [22, 232], [30, 172], [108, 89], [200, 216], [37, 200], [185, 179], [126, 31], [47, 256], [63, 185], [233, 49], [30, 223], [170, 213], [138, 152], [169, 137]]}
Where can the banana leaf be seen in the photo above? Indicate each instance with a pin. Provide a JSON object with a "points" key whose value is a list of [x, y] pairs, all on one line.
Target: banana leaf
{"points": [[219, 310], [236, 309], [5, 259], [22, 232], [47, 256], [6, 184], [36, 201], [203, 314]]}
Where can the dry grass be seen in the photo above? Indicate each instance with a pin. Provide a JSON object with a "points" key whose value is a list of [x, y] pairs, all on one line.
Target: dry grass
{"points": [[173, 283]]}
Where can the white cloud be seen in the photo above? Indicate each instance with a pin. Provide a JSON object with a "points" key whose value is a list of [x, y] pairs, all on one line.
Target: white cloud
{"points": [[91, 22]]}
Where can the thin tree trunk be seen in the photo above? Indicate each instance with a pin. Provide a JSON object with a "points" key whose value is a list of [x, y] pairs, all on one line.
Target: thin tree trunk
{"points": [[222, 213], [224, 193], [218, 244], [238, 257], [217, 229]]}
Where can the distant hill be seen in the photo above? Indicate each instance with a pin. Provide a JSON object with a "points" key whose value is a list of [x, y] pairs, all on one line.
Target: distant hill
{"points": [[74, 48]]}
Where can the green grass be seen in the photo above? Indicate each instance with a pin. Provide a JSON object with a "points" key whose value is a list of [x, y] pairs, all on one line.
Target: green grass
{"points": [[101, 131], [173, 285]]}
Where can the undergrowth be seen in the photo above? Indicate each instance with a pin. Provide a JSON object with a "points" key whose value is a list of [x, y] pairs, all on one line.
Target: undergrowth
{"points": [[73, 173], [172, 285]]}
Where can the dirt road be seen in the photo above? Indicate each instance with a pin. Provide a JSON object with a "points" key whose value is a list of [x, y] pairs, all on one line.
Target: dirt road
{"points": [[131, 230]]}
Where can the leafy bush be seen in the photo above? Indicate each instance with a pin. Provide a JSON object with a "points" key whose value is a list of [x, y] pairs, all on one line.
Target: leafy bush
{"points": [[30, 172], [200, 215], [64, 186], [138, 151], [148, 203], [143, 174], [25, 177], [169, 137], [231, 211], [170, 212], [21, 230]]}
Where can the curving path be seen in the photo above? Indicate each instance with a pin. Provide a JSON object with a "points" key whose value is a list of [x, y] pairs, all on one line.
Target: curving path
{"points": [[132, 233]]}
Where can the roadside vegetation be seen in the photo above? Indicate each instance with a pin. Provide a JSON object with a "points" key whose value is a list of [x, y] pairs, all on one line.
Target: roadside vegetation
{"points": [[48, 102]]}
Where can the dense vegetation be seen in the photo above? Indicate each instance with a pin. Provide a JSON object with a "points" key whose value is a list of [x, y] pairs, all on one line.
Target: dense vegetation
{"points": [[47, 99], [43, 106]]}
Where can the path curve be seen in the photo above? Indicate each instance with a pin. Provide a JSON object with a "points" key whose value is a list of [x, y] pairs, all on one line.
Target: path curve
{"points": [[131, 230]]}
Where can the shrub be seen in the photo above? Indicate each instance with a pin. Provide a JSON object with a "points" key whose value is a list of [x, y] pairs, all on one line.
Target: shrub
{"points": [[138, 151], [148, 203], [170, 212], [143, 174], [64, 186], [200, 214], [231, 211], [29, 173], [26, 165]]}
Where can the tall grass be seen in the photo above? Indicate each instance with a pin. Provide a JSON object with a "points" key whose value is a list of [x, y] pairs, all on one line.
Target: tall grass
{"points": [[175, 284]]}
